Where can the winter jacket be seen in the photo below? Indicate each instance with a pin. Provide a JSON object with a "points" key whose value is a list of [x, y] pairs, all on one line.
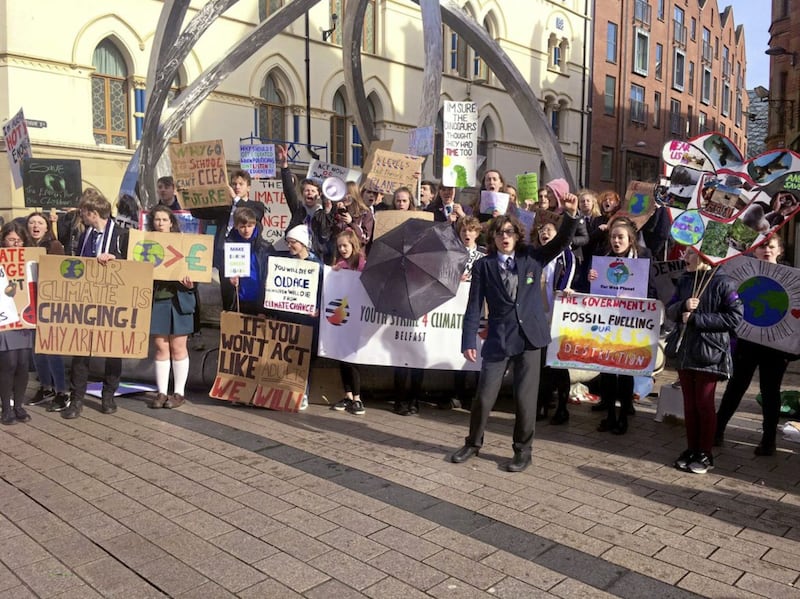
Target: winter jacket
{"points": [[706, 342]]}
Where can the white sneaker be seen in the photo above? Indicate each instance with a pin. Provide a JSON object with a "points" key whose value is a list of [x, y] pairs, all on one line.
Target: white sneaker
{"points": [[304, 403]]}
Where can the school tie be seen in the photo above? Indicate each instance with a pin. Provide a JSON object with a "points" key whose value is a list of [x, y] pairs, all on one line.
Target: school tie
{"points": [[508, 277]]}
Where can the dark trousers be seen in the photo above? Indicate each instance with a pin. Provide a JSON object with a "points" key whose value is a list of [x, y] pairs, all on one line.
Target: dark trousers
{"points": [[414, 375], [615, 387], [698, 408], [552, 379], [14, 366], [526, 386], [351, 378], [771, 366], [80, 376]]}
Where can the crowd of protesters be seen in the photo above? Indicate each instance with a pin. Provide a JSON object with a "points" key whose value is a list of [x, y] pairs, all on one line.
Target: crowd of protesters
{"points": [[515, 273]]}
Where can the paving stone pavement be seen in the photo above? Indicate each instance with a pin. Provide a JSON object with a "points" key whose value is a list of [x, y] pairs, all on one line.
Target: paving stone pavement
{"points": [[212, 500]]}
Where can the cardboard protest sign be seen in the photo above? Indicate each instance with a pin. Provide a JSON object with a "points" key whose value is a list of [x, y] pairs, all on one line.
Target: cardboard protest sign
{"points": [[606, 334], [492, 201], [200, 173], [18, 145], [263, 362], [352, 329], [237, 260], [276, 211], [322, 170], [771, 297], [639, 204], [173, 255], [86, 308], [620, 277], [722, 204], [390, 170], [386, 220], [291, 285], [420, 141], [258, 160], [51, 183], [460, 149], [528, 187], [20, 266]]}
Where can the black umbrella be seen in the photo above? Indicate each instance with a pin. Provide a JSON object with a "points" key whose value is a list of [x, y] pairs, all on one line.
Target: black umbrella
{"points": [[414, 268]]}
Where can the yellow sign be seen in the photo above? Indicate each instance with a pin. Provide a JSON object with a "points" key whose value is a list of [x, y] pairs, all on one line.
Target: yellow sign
{"points": [[173, 255]]}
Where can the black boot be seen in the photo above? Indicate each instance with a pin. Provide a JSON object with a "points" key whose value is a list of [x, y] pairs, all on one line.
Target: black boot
{"points": [[107, 404], [73, 410]]}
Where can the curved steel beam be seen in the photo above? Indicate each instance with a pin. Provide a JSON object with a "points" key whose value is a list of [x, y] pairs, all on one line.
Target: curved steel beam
{"points": [[513, 81], [352, 32], [432, 75]]}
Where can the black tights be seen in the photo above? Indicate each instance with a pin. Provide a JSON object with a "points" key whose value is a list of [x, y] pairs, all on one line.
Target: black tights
{"points": [[351, 378], [14, 364]]}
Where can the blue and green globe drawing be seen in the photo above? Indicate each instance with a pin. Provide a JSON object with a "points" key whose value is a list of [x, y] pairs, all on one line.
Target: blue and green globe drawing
{"points": [[71, 268], [617, 272], [688, 228], [639, 203], [765, 301], [148, 251]]}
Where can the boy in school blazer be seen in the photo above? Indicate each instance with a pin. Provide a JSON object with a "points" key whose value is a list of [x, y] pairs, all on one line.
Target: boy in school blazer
{"points": [[516, 330]]}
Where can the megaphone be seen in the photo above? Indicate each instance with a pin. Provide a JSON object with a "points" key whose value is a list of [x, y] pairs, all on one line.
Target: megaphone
{"points": [[334, 189]]}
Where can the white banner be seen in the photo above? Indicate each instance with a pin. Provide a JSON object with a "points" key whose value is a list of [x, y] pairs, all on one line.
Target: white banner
{"points": [[292, 285], [607, 334], [771, 297], [352, 330]]}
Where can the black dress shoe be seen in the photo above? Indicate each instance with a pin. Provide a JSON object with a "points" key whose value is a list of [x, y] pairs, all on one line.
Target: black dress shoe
{"points": [[620, 428], [465, 453], [108, 405], [519, 462], [560, 417], [604, 426]]}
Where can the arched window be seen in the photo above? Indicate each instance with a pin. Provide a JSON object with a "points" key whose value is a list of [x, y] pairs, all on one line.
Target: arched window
{"points": [[267, 7], [486, 135], [339, 130], [271, 111], [455, 53], [368, 33], [110, 107], [373, 108]]}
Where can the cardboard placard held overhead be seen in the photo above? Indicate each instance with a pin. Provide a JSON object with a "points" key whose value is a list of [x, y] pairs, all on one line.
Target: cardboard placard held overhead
{"points": [[51, 183], [386, 220], [14, 261], [460, 144], [390, 170], [322, 170], [173, 255], [200, 173], [90, 309], [528, 187], [258, 160]]}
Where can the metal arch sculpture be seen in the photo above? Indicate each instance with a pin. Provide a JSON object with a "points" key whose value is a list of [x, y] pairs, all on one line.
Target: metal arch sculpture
{"points": [[172, 49]]}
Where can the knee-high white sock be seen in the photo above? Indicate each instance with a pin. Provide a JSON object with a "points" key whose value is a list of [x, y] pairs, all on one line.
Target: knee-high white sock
{"points": [[162, 376], [180, 371]]}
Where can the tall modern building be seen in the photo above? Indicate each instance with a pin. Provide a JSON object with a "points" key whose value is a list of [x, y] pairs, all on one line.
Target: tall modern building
{"points": [[662, 69], [79, 71]]}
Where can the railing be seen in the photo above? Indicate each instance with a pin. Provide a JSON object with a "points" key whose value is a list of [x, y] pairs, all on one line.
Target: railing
{"points": [[676, 125], [642, 12], [638, 112], [708, 53], [293, 149], [679, 33]]}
